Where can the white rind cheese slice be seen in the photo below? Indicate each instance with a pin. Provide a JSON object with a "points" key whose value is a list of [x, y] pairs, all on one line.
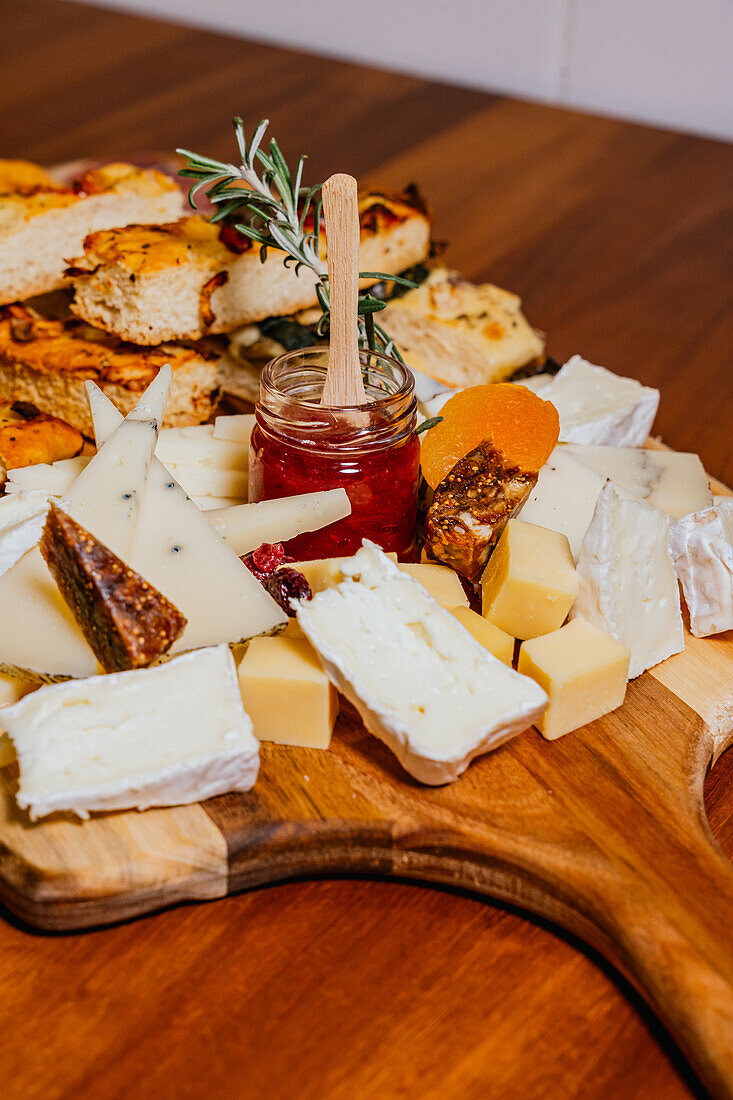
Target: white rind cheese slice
{"points": [[701, 546], [178, 551], [597, 406], [564, 498], [163, 736], [18, 540], [627, 585], [419, 680], [674, 481], [247, 526]]}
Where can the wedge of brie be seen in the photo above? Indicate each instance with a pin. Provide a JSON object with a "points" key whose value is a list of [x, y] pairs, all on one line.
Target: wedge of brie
{"points": [[627, 585], [161, 736], [701, 546], [674, 481], [419, 680], [597, 406]]}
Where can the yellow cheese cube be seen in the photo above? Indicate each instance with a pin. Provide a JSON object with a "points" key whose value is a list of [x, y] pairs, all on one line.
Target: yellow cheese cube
{"points": [[530, 583], [583, 671], [287, 694], [11, 691], [488, 635], [441, 582]]}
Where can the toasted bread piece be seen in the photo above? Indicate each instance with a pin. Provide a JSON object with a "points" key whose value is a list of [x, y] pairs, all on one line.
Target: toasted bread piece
{"points": [[28, 436], [47, 363], [192, 278], [20, 175], [43, 224], [462, 334]]}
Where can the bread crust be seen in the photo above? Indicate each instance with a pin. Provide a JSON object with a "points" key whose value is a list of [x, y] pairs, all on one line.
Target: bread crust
{"points": [[186, 280], [47, 363], [28, 436], [43, 223]]}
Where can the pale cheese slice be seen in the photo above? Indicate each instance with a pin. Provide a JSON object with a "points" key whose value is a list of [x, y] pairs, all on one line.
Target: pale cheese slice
{"points": [[564, 498], [177, 550], [419, 680], [163, 736], [247, 526]]}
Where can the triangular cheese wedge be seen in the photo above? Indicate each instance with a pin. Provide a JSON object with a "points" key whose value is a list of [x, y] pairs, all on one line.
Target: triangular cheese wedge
{"points": [[38, 634], [151, 406], [176, 549]]}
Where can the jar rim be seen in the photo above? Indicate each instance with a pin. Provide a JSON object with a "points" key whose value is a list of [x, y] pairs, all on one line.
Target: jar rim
{"points": [[367, 357]]}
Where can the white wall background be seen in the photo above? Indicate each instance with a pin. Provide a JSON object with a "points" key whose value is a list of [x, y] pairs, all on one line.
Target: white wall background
{"points": [[661, 61]]}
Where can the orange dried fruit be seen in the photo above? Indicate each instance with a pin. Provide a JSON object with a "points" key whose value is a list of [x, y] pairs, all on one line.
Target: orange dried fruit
{"points": [[522, 429]]}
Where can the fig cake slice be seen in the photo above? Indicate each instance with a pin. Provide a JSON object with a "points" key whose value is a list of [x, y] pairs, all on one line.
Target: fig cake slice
{"points": [[126, 622]]}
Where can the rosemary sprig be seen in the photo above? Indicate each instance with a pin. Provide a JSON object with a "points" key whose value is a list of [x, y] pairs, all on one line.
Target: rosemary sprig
{"points": [[277, 205]]}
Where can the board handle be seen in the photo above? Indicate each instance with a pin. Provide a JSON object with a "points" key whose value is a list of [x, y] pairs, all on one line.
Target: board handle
{"points": [[676, 946]]}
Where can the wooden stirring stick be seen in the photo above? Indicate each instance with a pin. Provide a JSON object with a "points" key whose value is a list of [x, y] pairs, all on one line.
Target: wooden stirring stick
{"points": [[344, 384]]}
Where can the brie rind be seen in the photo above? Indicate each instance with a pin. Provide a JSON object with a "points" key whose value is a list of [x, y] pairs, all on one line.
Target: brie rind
{"points": [[701, 546], [674, 481], [162, 736], [419, 680], [597, 406], [627, 585]]}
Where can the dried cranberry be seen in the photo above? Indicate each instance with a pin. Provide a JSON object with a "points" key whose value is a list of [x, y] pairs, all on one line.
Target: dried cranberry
{"points": [[268, 557], [287, 585], [232, 239]]}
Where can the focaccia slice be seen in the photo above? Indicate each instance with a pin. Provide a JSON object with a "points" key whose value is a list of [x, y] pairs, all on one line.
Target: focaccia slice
{"points": [[18, 175], [43, 224], [47, 363], [192, 278], [460, 333], [28, 436]]}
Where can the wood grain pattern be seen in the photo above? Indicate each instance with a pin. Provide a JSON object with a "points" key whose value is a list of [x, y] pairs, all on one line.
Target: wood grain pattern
{"points": [[615, 236]]}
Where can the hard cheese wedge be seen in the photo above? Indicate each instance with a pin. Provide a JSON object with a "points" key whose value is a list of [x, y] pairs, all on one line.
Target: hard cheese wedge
{"points": [[420, 682], [701, 546], [583, 671], [38, 633], [287, 694], [674, 481], [247, 526], [162, 736], [627, 585], [179, 553]]}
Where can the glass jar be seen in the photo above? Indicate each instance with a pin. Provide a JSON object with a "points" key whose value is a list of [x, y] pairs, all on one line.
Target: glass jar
{"points": [[371, 450]]}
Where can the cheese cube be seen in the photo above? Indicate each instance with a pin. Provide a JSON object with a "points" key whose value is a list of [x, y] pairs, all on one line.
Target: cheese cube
{"points": [[530, 584], [582, 670], [441, 582], [287, 694], [488, 635]]}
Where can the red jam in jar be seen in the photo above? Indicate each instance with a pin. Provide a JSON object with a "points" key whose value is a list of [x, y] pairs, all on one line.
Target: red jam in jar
{"points": [[301, 446]]}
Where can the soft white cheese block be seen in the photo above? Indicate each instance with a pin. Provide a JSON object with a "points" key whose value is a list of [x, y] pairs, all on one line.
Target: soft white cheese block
{"points": [[162, 736], [597, 406], [11, 690], [564, 498], [419, 680], [247, 526], [178, 551], [627, 584], [674, 481], [701, 545]]}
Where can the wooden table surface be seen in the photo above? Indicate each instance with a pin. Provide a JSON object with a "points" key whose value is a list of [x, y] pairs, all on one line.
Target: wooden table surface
{"points": [[616, 236]]}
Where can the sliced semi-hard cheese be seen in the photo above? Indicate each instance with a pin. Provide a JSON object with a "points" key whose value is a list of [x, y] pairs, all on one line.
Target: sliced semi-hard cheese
{"points": [[564, 498], [627, 585], [196, 446], [161, 736], [52, 478], [177, 550], [597, 406], [674, 481], [207, 481], [247, 526], [235, 429], [420, 682], [530, 584], [701, 546], [287, 694], [582, 669]]}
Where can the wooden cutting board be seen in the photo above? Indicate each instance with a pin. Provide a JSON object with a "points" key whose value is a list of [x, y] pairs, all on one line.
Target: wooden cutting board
{"points": [[603, 832]]}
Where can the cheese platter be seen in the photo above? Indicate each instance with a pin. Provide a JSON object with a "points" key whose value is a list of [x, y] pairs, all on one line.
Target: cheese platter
{"points": [[418, 614]]}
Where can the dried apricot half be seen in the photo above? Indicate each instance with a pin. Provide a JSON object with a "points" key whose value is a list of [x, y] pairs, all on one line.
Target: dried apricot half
{"points": [[521, 427]]}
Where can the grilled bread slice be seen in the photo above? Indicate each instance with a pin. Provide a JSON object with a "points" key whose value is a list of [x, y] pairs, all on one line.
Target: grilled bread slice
{"points": [[21, 175], [28, 436], [43, 224], [47, 363], [460, 333], [192, 278]]}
